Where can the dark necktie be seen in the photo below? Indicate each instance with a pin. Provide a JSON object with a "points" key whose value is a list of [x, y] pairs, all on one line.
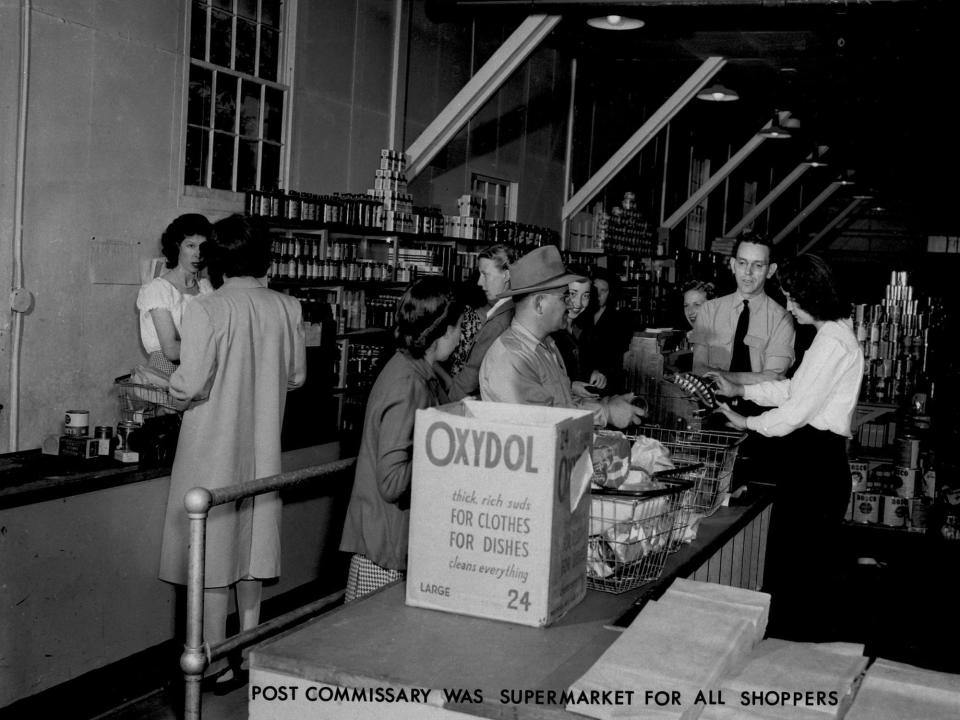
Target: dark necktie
{"points": [[740, 360]]}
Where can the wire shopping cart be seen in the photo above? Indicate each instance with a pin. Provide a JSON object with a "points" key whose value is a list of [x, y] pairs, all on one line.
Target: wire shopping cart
{"points": [[631, 532], [139, 402], [712, 454]]}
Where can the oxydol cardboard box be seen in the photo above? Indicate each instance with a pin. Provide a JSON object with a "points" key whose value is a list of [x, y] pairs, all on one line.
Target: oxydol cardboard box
{"points": [[499, 510]]}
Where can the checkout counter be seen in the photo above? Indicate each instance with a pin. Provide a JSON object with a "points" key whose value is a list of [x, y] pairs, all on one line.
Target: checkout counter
{"points": [[380, 643]]}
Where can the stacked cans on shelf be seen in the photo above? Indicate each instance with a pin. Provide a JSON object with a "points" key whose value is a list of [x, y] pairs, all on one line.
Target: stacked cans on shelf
{"points": [[624, 229], [390, 190], [895, 337], [898, 494]]}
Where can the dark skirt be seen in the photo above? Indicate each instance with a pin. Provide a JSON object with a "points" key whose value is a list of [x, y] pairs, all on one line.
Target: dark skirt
{"points": [[811, 497]]}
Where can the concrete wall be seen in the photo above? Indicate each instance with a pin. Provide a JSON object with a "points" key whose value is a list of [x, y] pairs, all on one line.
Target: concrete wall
{"points": [[103, 175]]}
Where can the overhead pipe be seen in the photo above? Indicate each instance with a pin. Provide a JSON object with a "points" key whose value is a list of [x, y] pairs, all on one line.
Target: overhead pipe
{"points": [[20, 298], [568, 151]]}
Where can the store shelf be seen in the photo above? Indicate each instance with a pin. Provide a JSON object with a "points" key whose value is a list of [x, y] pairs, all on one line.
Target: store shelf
{"points": [[367, 335], [868, 412], [283, 282], [367, 233]]}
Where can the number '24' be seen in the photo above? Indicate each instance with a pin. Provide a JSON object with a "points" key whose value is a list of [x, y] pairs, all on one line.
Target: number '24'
{"points": [[516, 600]]}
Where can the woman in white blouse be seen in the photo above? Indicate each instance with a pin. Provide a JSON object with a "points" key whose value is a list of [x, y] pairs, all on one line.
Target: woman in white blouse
{"points": [[815, 408], [161, 301]]}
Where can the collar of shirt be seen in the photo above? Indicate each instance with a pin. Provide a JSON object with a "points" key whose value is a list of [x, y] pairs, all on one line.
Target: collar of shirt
{"points": [[496, 307], [755, 300], [424, 369], [242, 281], [530, 339]]}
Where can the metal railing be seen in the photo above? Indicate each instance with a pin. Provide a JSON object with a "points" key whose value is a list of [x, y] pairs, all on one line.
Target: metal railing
{"points": [[197, 655]]}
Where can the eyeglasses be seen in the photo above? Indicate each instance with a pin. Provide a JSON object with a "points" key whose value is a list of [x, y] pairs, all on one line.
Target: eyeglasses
{"points": [[753, 266], [565, 295]]}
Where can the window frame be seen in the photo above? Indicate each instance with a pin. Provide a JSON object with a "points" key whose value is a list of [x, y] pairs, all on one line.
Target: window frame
{"points": [[204, 196], [511, 194]]}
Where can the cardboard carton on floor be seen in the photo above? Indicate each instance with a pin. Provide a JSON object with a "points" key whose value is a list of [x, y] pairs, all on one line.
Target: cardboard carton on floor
{"points": [[499, 510]]}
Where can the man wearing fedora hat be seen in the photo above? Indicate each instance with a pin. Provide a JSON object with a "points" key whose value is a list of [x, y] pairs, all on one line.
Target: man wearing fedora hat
{"points": [[523, 365]]}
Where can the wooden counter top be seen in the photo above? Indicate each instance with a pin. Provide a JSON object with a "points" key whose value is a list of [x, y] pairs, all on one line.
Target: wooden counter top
{"points": [[381, 641], [30, 476]]}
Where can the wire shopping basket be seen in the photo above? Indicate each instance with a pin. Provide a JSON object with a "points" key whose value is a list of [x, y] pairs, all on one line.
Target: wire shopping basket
{"points": [[139, 402], [712, 454], [631, 533]]}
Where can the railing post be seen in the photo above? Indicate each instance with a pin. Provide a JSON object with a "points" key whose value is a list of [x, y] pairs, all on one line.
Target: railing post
{"points": [[194, 659]]}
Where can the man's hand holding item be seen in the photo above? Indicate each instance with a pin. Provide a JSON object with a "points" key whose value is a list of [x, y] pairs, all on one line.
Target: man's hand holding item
{"points": [[621, 412]]}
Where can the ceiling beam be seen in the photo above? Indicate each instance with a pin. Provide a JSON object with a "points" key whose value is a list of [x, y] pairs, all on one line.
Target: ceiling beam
{"points": [[719, 176], [830, 225], [656, 122], [768, 199], [803, 214], [480, 88]]}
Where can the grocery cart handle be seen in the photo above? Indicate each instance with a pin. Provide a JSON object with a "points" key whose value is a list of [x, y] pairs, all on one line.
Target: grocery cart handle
{"points": [[675, 486], [682, 468]]}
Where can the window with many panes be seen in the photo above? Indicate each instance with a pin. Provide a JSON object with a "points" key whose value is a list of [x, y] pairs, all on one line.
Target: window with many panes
{"points": [[236, 95], [501, 196]]}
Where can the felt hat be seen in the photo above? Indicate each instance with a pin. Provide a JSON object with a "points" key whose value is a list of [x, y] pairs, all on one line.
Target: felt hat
{"points": [[540, 269]]}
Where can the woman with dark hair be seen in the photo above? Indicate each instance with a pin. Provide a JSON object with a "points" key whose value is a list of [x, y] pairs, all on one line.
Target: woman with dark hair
{"points": [[815, 407], [162, 300], [610, 331], [243, 348], [482, 327], [378, 516]]}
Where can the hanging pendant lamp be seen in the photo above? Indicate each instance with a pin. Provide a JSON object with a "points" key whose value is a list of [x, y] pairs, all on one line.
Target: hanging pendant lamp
{"points": [[776, 131], [717, 93], [615, 22]]}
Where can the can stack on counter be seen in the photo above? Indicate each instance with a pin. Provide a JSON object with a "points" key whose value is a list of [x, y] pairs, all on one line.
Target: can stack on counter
{"points": [[897, 494]]}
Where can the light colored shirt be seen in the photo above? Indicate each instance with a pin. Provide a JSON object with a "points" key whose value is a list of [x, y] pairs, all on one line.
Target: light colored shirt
{"points": [[822, 392], [161, 294], [769, 336], [520, 368]]}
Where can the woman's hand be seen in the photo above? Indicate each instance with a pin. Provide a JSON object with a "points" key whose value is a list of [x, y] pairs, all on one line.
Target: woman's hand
{"points": [[598, 379], [735, 419], [724, 387]]}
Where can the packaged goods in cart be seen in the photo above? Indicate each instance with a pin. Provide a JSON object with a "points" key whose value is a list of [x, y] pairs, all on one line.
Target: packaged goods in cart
{"points": [[499, 510], [611, 458], [631, 533]]}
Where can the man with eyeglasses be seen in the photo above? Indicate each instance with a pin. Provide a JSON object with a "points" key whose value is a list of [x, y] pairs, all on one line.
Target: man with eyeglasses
{"points": [[523, 365], [745, 337]]}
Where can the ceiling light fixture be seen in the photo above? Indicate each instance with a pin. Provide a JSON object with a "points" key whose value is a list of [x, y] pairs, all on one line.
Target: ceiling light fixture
{"points": [[615, 22], [776, 131], [816, 157], [717, 93]]}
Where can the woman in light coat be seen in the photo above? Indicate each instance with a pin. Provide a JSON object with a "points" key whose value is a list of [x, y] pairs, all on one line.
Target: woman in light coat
{"points": [[242, 349]]}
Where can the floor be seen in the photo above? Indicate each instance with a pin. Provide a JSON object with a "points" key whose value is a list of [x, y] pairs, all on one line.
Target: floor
{"points": [[161, 705]]}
